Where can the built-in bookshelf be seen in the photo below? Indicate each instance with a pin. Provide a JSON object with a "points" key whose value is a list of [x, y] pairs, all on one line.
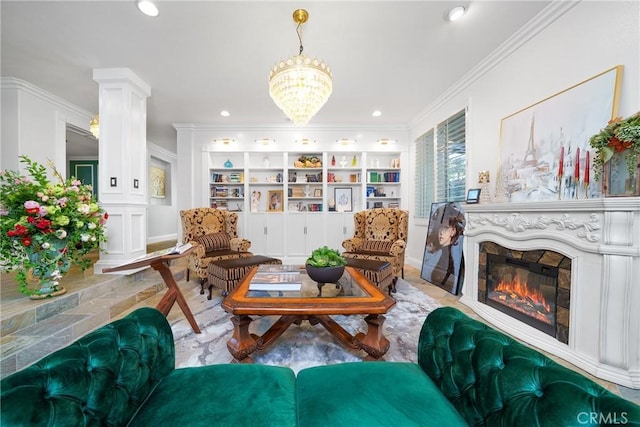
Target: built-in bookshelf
{"points": [[292, 202]]}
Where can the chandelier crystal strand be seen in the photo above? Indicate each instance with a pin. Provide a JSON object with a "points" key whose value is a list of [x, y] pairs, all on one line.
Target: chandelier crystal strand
{"points": [[300, 86]]}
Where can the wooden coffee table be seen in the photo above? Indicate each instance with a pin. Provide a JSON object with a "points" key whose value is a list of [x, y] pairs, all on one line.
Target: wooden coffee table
{"points": [[354, 295]]}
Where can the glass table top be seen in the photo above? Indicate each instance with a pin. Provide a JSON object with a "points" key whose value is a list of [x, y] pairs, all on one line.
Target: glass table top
{"points": [[298, 284]]}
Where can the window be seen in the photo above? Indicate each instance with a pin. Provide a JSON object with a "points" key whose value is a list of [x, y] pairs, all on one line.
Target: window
{"points": [[441, 165]]}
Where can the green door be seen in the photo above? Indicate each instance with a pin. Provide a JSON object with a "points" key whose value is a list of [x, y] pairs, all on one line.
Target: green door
{"points": [[86, 171]]}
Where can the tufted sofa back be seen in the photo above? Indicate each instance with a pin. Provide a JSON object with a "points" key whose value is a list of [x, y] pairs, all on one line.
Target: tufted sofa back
{"points": [[101, 379], [492, 380]]}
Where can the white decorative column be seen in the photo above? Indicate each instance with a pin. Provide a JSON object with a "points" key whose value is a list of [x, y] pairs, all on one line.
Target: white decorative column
{"points": [[123, 163]]}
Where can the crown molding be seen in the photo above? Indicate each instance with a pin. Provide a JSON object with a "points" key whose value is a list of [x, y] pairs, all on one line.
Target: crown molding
{"points": [[201, 127], [542, 20], [12, 83]]}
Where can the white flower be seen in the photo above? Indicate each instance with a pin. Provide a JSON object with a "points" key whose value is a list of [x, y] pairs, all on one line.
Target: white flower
{"points": [[61, 234], [91, 226], [84, 209], [45, 245], [93, 238], [85, 237]]}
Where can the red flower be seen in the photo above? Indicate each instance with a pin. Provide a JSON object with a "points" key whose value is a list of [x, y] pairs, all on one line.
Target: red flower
{"points": [[106, 215], [18, 230], [26, 241], [619, 146], [43, 223], [31, 220]]}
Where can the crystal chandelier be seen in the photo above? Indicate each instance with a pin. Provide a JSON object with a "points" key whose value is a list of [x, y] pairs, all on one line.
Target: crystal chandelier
{"points": [[300, 86], [94, 126]]}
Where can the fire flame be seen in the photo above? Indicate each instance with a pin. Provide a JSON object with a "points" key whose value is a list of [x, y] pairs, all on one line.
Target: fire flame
{"points": [[522, 291]]}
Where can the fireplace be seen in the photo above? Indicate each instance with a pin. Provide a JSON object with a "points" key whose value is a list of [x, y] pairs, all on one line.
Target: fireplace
{"points": [[595, 246], [531, 286], [524, 290]]}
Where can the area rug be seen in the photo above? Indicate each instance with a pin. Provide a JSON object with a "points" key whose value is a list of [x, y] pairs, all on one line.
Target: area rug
{"points": [[300, 346]]}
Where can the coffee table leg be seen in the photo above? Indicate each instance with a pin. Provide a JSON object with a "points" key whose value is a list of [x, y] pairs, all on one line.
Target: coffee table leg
{"points": [[374, 342], [241, 344]]}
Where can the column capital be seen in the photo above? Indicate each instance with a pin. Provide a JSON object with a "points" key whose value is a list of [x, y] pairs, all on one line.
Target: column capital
{"points": [[121, 76]]}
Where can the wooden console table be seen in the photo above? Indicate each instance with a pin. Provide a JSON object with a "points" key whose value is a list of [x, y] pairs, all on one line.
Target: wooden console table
{"points": [[173, 295]]}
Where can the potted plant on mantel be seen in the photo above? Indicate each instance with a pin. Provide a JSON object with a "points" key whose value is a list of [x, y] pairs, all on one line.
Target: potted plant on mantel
{"points": [[46, 227], [325, 265], [617, 158]]}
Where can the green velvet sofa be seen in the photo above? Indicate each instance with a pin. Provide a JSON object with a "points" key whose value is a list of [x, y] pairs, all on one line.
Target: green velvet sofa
{"points": [[467, 374]]}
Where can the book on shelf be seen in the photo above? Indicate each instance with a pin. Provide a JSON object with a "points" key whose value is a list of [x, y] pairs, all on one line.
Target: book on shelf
{"points": [[276, 281]]}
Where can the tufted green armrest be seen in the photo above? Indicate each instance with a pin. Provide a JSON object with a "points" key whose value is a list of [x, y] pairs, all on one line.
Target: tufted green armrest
{"points": [[493, 380], [101, 379]]}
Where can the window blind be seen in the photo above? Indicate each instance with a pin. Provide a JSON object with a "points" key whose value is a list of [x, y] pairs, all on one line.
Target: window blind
{"points": [[441, 165], [424, 188]]}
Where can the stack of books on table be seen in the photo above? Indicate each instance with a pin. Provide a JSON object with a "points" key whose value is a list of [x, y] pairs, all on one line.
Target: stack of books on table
{"points": [[275, 277]]}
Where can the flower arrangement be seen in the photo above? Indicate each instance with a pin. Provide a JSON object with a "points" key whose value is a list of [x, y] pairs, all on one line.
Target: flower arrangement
{"points": [[620, 135], [45, 226]]}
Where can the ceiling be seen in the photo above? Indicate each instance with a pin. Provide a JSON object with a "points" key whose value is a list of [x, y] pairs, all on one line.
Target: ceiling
{"points": [[201, 57]]}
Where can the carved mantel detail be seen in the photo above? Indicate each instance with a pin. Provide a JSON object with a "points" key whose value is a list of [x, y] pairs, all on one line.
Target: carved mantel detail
{"points": [[517, 223]]}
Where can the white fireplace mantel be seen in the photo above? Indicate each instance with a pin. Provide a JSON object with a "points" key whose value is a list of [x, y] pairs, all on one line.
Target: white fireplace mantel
{"points": [[602, 238]]}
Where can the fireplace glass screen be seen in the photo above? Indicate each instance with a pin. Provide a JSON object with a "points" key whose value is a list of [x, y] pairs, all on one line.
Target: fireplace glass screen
{"points": [[524, 290]]}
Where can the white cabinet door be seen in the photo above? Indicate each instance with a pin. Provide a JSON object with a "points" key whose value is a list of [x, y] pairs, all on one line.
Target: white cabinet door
{"points": [[314, 232], [305, 233], [296, 234], [339, 227], [257, 232], [266, 232], [275, 233]]}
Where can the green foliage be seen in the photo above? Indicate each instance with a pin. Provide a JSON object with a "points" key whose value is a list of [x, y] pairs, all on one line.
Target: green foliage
{"points": [[619, 136], [45, 226], [326, 257]]}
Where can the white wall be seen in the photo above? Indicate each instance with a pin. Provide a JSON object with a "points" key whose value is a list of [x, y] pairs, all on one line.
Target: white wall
{"points": [[589, 38], [34, 123], [162, 214]]}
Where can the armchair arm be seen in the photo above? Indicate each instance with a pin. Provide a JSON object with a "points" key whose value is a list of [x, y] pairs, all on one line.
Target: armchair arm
{"points": [[198, 251], [352, 244], [239, 245], [398, 247]]}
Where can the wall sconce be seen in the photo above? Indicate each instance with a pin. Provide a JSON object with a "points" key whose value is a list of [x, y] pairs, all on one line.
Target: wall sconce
{"points": [[386, 141], [94, 126], [224, 141], [346, 141], [305, 141], [265, 141]]}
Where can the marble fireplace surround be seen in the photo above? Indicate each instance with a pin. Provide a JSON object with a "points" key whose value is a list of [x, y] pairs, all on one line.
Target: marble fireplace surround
{"points": [[602, 239]]}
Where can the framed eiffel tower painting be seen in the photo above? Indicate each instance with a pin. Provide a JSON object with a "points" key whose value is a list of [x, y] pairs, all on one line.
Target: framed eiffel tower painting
{"points": [[544, 148]]}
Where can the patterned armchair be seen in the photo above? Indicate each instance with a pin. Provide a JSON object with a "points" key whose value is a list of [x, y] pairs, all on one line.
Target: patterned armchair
{"points": [[380, 234], [214, 233]]}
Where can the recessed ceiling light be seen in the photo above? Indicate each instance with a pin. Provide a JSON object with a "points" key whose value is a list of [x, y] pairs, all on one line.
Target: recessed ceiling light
{"points": [[456, 13], [147, 7], [225, 113], [376, 113]]}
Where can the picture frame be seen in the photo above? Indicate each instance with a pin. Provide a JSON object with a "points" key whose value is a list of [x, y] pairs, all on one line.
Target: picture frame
{"points": [[533, 139], [158, 182], [473, 195], [344, 199], [443, 259], [275, 200], [317, 192]]}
